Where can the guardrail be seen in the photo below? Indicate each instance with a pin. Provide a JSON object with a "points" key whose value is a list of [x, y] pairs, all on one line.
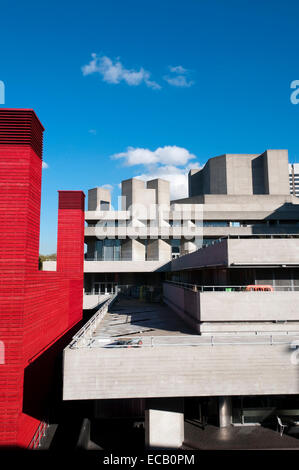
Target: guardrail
{"points": [[187, 340], [38, 435], [228, 288], [91, 325]]}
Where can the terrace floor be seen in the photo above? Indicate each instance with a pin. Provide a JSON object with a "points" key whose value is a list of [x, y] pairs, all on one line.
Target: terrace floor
{"points": [[129, 317], [238, 437]]}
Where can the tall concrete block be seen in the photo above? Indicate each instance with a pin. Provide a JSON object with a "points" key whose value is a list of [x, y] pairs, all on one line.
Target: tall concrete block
{"points": [[276, 172], [164, 423], [132, 250], [99, 199], [162, 191], [134, 192], [242, 174], [158, 250]]}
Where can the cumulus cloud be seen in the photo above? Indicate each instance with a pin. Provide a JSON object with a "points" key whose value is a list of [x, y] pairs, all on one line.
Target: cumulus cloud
{"points": [[170, 162], [178, 69], [178, 77], [113, 71], [107, 186], [45, 165], [170, 154], [179, 81]]}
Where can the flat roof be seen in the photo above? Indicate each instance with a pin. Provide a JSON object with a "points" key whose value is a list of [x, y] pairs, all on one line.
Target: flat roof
{"points": [[131, 317]]}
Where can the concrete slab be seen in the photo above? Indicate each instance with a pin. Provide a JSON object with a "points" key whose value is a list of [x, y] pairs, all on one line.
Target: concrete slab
{"points": [[236, 438]]}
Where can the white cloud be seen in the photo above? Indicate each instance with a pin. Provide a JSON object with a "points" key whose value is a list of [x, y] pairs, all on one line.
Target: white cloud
{"points": [[107, 186], [114, 72], [170, 162], [179, 81], [178, 69], [92, 131], [178, 77], [45, 165], [170, 154]]}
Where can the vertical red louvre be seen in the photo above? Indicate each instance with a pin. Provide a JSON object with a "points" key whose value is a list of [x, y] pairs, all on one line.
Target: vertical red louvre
{"points": [[36, 308]]}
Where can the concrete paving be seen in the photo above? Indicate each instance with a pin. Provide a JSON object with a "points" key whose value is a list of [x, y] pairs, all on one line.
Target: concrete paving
{"points": [[129, 317], [237, 438]]}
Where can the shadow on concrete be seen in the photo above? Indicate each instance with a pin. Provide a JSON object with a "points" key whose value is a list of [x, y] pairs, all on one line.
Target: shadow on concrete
{"points": [[157, 318]]}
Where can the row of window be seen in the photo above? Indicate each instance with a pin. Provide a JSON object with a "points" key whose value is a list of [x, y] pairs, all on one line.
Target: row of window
{"points": [[214, 223], [111, 250]]}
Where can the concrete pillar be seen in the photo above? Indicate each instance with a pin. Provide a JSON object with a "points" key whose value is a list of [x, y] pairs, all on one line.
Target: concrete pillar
{"points": [[99, 199], [164, 423], [225, 412]]}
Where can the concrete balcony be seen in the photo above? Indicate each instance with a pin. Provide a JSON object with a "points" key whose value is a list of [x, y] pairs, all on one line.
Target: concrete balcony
{"points": [[242, 252], [125, 266], [251, 312], [171, 361], [107, 215], [142, 232]]}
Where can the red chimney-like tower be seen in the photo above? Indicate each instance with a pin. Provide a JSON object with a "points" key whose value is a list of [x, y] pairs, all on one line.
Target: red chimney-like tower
{"points": [[36, 308]]}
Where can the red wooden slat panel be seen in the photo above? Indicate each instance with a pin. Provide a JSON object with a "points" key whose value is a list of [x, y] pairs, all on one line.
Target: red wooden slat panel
{"points": [[36, 308]]}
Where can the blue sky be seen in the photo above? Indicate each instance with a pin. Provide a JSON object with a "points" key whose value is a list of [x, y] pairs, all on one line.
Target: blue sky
{"points": [[182, 80]]}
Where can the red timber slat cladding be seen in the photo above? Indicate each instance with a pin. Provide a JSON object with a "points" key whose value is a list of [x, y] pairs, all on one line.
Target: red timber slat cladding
{"points": [[36, 308]]}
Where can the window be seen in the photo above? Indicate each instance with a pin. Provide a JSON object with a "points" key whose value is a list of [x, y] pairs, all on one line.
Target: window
{"points": [[175, 245], [108, 250], [208, 241], [104, 205], [215, 223]]}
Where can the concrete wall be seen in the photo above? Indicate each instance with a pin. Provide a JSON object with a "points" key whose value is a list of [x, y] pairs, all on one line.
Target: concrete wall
{"points": [[263, 251], [164, 423], [96, 196], [162, 191], [256, 251], [158, 250], [135, 192], [213, 255], [125, 266], [197, 308], [242, 174], [276, 171], [222, 369]]}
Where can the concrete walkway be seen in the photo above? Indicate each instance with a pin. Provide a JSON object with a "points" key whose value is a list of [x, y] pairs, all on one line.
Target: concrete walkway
{"points": [[131, 316], [236, 438]]}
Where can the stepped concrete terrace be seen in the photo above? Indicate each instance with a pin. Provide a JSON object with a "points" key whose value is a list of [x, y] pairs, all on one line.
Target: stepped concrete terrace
{"points": [[172, 360]]}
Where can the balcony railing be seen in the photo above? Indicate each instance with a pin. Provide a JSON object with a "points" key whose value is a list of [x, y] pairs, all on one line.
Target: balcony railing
{"points": [[229, 288]]}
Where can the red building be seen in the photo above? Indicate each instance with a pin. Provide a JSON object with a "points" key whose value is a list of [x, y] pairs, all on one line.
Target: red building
{"points": [[36, 308]]}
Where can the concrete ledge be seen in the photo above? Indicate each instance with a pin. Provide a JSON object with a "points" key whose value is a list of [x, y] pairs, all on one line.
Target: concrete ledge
{"points": [[174, 371]]}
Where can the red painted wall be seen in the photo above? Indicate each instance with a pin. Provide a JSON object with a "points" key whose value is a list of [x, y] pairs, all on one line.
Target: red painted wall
{"points": [[36, 308]]}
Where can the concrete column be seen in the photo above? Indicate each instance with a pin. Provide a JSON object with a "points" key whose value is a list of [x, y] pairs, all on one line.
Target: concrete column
{"points": [[225, 412], [132, 250], [164, 423]]}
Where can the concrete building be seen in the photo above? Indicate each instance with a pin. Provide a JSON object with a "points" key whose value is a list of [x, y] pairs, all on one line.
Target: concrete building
{"points": [[141, 237], [294, 178], [225, 348]]}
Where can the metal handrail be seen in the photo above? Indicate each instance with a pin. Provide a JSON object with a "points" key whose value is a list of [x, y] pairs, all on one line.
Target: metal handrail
{"points": [[213, 340], [215, 288], [91, 325], [38, 435]]}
